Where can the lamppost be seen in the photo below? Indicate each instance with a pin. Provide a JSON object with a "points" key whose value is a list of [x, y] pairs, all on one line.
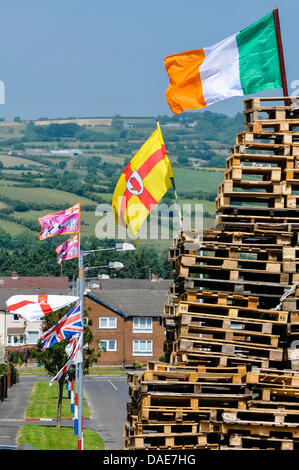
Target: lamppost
{"points": [[113, 265]]}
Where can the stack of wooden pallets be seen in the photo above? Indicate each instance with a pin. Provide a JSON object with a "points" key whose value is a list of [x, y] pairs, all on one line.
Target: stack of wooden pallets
{"points": [[231, 374]]}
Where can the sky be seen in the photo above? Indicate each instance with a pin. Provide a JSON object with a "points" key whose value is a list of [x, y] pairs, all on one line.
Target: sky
{"points": [[93, 58]]}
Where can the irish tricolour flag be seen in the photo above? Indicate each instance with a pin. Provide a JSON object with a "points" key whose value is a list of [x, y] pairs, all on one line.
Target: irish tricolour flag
{"points": [[244, 63]]}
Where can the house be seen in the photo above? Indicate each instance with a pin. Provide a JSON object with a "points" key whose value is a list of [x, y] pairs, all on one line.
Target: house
{"points": [[15, 332], [124, 316]]}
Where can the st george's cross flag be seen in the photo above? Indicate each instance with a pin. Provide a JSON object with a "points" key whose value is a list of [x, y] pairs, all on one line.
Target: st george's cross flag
{"points": [[143, 183], [34, 307], [66, 327], [244, 63], [75, 358], [68, 250], [61, 223]]}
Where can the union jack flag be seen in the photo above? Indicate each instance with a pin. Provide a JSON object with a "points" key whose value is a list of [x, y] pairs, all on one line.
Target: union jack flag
{"points": [[67, 326]]}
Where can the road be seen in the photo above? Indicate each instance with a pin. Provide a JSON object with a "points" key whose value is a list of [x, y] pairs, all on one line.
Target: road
{"points": [[107, 397]]}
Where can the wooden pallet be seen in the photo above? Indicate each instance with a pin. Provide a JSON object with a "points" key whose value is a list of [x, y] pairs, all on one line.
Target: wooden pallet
{"points": [[228, 348], [269, 200], [155, 405], [159, 427], [278, 405], [251, 223], [208, 359], [168, 391], [261, 416], [279, 393], [180, 374], [269, 293], [239, 441], [166, 441], [270, 377], [213, 271], [154, 366], [208, 327], [283, 137], [264, 429], [264, 316], [156, 414], [257, 188], [248, 160], [219, 298], [192, 264], [236, 259]]}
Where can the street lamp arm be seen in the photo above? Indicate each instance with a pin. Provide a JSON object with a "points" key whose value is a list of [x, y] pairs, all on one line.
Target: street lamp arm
{"points": [[95, 267], [117, 247], [100, 249]]}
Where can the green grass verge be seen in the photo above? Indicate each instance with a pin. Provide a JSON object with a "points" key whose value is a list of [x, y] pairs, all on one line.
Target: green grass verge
{"points": [[51, 438], [43, 402]]}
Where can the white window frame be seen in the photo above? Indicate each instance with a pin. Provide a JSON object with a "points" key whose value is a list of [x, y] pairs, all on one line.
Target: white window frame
{"points": [[108, 327], [138, 328], [142, 352], [107, 345], [12, 340]]}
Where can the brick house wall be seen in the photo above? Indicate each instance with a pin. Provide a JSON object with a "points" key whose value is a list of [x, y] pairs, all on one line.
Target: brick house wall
{"points": [[123, 334]]}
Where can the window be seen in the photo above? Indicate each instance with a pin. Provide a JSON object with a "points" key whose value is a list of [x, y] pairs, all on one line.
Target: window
{"points": [[107, 322], [142, 325], [33, 337], [106, 345], [142, 347], [15, 340]]}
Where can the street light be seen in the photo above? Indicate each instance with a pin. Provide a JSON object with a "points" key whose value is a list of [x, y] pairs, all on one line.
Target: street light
{"points": [[117, 247], [82, 269], [111, 265]]}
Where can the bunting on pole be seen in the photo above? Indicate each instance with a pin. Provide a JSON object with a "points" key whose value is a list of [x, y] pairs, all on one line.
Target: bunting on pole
{"points": [[68, 250], [143, 183], [75, 358], [34, 307], [66, 327], [61, 223]]}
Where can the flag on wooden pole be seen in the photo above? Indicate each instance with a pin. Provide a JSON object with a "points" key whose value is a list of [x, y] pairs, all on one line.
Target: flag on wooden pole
{"points": [[142, 185], [244, 63]]}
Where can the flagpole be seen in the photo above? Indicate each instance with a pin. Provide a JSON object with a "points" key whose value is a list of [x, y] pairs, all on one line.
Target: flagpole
{"points": [[281, 56], [172, 182], [80, 365]]}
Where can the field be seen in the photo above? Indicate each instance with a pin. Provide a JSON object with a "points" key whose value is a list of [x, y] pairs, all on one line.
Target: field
{"points": [[33, 184], [197, 180]]}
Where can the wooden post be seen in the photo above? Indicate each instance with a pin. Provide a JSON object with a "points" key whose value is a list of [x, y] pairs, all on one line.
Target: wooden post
{"points": [[281, 56]]}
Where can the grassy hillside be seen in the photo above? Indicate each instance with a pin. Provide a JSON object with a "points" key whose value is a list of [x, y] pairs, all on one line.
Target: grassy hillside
{"points": [[34, 181]]}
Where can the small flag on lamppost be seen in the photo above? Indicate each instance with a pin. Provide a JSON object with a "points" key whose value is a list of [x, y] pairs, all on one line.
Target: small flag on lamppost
{"points": [[61, 223], [68, 250]]}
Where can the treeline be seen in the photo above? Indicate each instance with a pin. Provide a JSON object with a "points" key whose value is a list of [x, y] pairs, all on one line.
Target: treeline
{"points": [[30, 257]]}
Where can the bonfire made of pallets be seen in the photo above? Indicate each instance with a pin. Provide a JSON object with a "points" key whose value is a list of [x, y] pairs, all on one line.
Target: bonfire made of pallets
{"points": [[230, 379]]}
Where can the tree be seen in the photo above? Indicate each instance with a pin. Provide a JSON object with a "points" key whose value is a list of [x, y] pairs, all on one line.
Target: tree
{"points": [[117, 123], [55, 358]]}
